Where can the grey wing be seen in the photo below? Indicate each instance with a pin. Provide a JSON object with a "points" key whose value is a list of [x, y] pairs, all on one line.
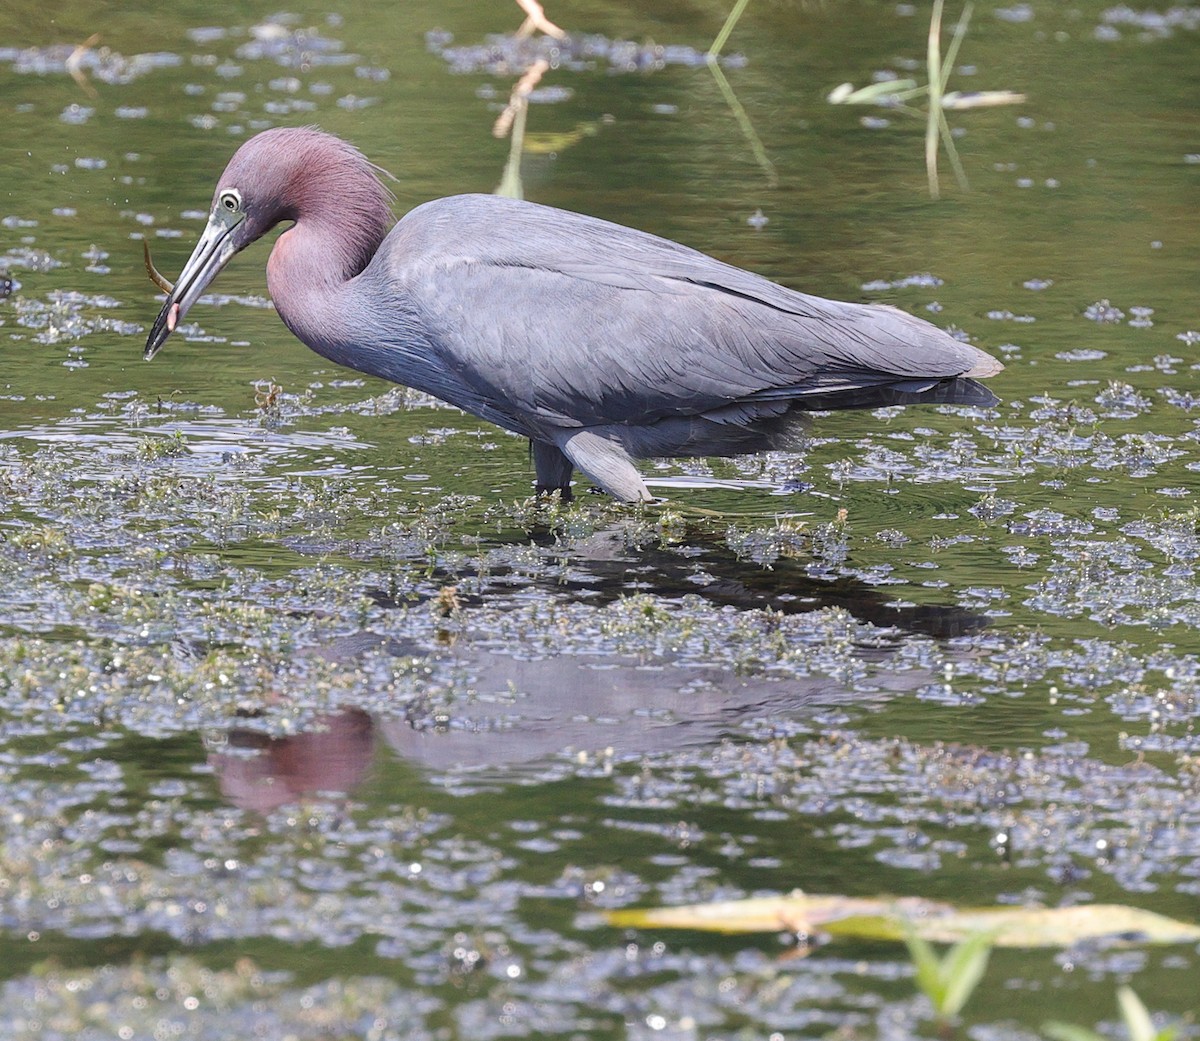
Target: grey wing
{"points": [[572, 321]]}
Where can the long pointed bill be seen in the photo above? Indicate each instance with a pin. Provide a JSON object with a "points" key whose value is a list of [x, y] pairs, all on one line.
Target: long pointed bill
{"points": [[216, 247]]}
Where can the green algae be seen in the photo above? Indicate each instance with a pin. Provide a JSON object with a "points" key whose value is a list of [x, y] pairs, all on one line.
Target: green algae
{"points": [[292, 663]]}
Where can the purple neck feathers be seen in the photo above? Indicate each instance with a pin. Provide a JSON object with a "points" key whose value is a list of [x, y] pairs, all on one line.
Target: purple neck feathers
{"points": [[342, 213]]}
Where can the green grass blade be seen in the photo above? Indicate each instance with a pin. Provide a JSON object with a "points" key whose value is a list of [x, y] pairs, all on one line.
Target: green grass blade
{"points": [[1070, 1032], [743, 122], [928, 970], [963, 968], [933, 62], [723, 36], [1136, 1016], [960, 174], [956, 39]]}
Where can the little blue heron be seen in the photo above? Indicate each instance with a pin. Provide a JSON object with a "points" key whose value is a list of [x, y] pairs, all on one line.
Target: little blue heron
{"points": [[599, 343]]}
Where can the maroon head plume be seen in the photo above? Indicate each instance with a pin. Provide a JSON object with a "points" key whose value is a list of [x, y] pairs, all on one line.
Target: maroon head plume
{"points": [[304, 174]]}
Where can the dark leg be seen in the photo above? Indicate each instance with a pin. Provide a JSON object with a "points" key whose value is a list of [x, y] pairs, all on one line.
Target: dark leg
{"points": [[553, 470]]}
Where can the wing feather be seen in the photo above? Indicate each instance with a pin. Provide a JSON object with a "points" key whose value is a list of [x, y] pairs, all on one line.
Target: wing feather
{"points": [[564, 320]]}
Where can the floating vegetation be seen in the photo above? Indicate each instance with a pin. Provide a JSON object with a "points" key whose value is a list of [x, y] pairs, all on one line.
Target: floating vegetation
{"points": [[280, 40], [188, 998], [928, 921], [921, 281], [294, 663], [1103, 312], [98, 63], [1149, 24], [511, 55], [66, 315]]}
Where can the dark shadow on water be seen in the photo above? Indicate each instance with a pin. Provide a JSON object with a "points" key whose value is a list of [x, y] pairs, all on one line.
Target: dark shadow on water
{"points": [[605, 568]]}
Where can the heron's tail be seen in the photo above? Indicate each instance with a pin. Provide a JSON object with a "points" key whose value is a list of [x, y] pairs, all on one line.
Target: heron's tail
{"points": [[956, 390]]}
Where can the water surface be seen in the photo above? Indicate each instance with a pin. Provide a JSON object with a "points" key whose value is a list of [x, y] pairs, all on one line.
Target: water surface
{"points": [[314, 724]]}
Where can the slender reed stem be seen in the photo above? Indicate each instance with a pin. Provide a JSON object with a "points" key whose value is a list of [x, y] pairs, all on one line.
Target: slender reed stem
{"points": [[933, 62], [723, 36]]}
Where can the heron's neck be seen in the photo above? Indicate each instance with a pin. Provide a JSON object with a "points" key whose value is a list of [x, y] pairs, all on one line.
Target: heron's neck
{"points": [[353, 316], [309, 270]]}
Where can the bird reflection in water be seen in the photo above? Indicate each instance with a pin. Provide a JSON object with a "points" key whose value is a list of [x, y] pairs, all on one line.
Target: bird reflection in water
{"points": [[262, 773]]}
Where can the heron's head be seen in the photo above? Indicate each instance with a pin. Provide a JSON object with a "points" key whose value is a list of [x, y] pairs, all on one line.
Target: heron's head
{"points": [[284, 174]]}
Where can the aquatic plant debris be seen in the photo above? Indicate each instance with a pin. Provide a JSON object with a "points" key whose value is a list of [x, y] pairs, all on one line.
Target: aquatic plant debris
{"points": [[293, 665], [101, 63], [931, 920], [202, 1004], [510, 55]]}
